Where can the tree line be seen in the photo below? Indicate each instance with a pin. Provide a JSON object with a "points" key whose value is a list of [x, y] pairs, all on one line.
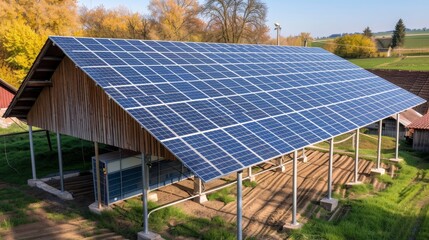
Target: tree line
{"points": [[26, 24], [364, 45]]}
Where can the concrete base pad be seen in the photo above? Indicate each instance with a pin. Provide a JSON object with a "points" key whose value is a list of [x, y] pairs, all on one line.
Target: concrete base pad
{"points": [[304, 159], [201, 199], [395, 160], [329, 204], [290, 226], [351, 184], [281, 169], [152, 197], [378, 171], [45, 187], [149, 236], [94, 208], [252, 178]]}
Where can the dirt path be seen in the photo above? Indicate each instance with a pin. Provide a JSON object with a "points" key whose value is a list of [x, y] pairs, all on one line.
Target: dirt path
{"points": [[269, 205], [50, 219]]}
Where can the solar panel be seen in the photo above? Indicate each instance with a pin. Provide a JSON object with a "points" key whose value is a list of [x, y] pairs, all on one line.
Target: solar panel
{"points": [[220, 108]]}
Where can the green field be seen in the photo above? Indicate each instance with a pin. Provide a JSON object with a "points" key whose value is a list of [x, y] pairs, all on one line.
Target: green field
{"points": [[408, 63], [417, 41]]}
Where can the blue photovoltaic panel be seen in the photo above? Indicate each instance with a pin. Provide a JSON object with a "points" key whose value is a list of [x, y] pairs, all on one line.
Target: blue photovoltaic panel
{"points": [[223, 107]]}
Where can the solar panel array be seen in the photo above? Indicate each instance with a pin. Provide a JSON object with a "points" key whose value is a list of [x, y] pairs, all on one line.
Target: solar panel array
{"points": [[224, 107]]}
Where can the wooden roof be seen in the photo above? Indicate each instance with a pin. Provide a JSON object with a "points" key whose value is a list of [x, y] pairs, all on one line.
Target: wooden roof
{"points": [[7, 87], [37, 78]]}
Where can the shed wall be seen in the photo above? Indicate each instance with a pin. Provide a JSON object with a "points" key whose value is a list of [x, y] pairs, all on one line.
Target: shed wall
{"points": [[421, 140], [75, 106], [5, 97]]}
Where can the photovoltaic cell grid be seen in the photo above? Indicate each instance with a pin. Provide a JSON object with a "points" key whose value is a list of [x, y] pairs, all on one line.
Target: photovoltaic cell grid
{"points": [[224, 107]]}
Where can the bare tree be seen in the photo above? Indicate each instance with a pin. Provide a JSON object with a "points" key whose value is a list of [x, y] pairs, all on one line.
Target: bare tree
{"points": [[234, 21]]}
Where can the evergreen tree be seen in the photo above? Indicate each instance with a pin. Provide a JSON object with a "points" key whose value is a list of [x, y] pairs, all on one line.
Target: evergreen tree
{"points": [[367, 32], [398, 37]]}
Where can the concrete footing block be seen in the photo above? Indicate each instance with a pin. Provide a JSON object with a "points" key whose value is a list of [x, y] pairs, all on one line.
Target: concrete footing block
{"points": [[304, 159], [149, 236], [281, 168], [94, 208], [329, 204], [395, 160], [152, 197], [378, 171], [291, 226], [351, 184], [201, 199], [252, 178], [45, 187]]}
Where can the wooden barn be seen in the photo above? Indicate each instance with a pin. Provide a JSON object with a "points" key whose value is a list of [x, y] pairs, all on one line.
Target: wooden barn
{"points": [[214, 109], [7, 92], [420, 133], [389, 124]]}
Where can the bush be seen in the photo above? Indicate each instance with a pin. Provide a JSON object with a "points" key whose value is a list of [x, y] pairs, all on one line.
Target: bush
{"points": [[355, 46]]}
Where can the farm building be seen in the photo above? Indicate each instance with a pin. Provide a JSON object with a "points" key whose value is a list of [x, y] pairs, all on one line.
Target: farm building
{"points": [[420, 133], [6, 94], [196, 109], [416, 82]]}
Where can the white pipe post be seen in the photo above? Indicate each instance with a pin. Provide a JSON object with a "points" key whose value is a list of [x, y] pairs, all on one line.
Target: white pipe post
{"points": [[33, 159], [60, 161], [397, 137], [331, 158], [239, 206], [97, 169], [357, 155], [145, 190], [380, 126], [295, 173]]}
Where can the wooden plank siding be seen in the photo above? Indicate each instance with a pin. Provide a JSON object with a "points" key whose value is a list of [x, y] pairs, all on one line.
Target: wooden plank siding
{"points": [[75, 106], [421, 140], [5, 97]]}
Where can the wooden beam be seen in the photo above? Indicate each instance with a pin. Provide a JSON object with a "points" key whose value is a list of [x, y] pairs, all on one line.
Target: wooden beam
{"points": [[39, 84], [27, 99], [45, 69], [51, 58], [22, 107]]}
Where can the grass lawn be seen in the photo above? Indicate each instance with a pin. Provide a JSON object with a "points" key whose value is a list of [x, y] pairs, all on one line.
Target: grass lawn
{"points": [[408, 63]]}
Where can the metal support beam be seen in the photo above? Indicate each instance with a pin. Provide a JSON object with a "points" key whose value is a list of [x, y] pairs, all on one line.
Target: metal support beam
{"points": [[239, 206], [33, 160], [356, 155], [145, 191], [331, 159], [397, 137], [294, 186], [60, 161], [97, 169], [380, 130]]}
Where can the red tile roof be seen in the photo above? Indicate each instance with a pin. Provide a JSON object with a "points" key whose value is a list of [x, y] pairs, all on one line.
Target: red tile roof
{"points": [[421, 123]]}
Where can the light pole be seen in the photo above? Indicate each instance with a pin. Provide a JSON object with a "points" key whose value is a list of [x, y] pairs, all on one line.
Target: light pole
{"points": [[278, 28]]}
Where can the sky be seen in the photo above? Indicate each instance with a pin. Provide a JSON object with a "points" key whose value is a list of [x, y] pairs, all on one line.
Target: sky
{"points": [[322, 17]]}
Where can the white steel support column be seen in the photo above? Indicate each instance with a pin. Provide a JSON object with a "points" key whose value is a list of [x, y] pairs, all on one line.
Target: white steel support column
{"points": [[239, 206], [397, 159], [33, 159], [331, 159], [330, 203], [380, 130], [97, 169], [145, 191], [294, 223], [304, 157], [60, 161], [397, 136], [356, 156], [294, 187], [378, 170]]}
